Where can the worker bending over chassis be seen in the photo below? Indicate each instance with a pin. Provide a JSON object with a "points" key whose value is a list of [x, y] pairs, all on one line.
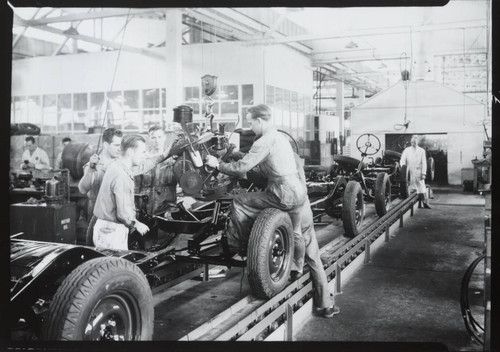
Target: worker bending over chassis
{"points": [[274, 155]]}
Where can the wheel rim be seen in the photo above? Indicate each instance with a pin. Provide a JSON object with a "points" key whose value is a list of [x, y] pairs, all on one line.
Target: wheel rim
{"points": [[114, 318], [278, 249]]}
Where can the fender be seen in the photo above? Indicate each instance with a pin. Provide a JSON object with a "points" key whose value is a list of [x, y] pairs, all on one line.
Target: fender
{"points": [[37, 268]]}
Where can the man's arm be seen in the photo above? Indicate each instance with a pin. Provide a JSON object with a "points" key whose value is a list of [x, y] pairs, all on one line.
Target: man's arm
{"points": [[149, 163], [403, 158], [424, 164], [258, 153], [125, 207]]}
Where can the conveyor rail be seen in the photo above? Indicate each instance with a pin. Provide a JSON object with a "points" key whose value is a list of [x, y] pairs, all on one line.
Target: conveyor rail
{"points": [[252, 319]]}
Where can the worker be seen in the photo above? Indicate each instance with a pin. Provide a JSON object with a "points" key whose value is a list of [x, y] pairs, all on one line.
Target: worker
{"points": [[414, 158], [306, 247], [158, 183], [93, 171], [114, 206], [34, 157], [272, 152], [65, 141]]}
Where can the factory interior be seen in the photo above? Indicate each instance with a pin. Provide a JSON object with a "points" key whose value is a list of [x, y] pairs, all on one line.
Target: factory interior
{"points": [[138, 157]]}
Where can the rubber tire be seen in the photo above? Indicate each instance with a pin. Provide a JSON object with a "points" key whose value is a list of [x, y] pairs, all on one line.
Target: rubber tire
{"points": [[431, 168], [86, 286], [28, 129], [346, 160], [89, 236], [353, 193], [404, 182], [382, 186], [393, 154], [263, 230]]}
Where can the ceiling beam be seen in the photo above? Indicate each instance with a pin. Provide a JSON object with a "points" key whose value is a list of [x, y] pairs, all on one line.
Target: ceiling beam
{"points": [[119, 12], [101, 42], [371, 32], [66, 39]]}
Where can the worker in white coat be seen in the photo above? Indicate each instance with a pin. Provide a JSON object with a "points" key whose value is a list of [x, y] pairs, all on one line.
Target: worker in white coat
{"points": [[415, 159]]}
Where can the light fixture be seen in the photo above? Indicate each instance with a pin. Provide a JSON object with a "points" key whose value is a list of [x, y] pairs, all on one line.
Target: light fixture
{"points": [[71, 31], [351, 45]]}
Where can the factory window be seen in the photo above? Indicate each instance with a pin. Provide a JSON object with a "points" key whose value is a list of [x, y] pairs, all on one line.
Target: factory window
{"points": [[278, 107], [150, 98], [286, 110], [80, 111], [247, 101], [96, 107], [228, 93], [20, 113], [34, 109], [192, 98], [131, 117], [64, 112], [49, 123]]}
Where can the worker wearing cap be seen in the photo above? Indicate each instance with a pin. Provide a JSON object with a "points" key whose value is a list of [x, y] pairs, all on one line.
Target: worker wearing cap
{"points": [[274, 155]]}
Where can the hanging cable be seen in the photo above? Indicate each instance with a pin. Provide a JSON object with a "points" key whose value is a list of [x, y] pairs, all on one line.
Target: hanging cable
{"points": [[105, 112], [405, 76]]}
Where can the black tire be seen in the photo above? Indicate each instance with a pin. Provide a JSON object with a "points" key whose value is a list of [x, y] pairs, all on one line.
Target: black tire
{"points": [[89, 236], [393, 154], [404, 182], [353, 209], [346, 160], [431, 168], [28, 128], [382, 194], [270, 253], [112, 291]]}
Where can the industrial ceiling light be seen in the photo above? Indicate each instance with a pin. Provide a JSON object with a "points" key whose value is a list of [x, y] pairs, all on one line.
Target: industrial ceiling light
{"points": [[71, 31], [351, 45]]}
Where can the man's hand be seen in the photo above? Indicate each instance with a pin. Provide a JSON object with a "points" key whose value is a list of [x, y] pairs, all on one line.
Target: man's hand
{"points": [[212, 161], [141, 228], [422, 177], [94, 159]]}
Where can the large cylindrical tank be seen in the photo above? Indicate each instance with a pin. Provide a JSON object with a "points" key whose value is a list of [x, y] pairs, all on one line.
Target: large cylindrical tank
{"points": [[74, 156]]}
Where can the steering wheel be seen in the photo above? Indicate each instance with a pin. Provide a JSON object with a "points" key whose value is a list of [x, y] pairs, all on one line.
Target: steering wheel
{"points": [[369, 142]]}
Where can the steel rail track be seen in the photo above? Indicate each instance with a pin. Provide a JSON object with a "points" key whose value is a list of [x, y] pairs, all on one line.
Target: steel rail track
{"points": [[252, 319]]}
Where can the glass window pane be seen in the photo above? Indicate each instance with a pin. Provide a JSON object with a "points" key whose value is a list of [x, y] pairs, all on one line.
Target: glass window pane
{"points": [[195, 107], [131, 99], [286, 100], [150, 98], [20, 110], [115, 100], [64, 102], [65, 121], [247, 94], [243, 118], [34, 110], [228, 93], [96, 101], [80, 101], [163, 97], [278, 98], [151, 117], [294, 102], [229, 108], [191, 93], [80, 121], [132, 120], [270, 96], [49, 101]]}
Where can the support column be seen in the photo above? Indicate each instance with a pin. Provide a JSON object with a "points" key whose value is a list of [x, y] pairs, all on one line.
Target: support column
{"points": [[339, 111], [173, 60]]}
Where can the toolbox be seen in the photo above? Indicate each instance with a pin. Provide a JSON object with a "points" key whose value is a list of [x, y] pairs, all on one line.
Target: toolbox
{"points": [[42, 222]]}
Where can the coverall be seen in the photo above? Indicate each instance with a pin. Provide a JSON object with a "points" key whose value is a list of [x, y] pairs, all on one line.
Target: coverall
{"points": [[414, 158], [306, 246], [274, 155]]}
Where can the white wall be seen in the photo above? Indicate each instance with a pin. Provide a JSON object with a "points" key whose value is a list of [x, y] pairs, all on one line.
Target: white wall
{"points": [[286, 68], [431, 108]]}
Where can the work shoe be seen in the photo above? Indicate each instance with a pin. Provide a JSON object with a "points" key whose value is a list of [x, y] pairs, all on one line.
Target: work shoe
{"points": [[295, 275], [427, 206], [331, 311]]}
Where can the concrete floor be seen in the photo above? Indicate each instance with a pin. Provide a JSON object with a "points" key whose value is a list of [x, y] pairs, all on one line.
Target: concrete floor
{"points": [[410, 291]]}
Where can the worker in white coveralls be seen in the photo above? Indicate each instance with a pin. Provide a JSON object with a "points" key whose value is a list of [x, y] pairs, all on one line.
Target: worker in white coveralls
{"points": [[415, 159]]}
